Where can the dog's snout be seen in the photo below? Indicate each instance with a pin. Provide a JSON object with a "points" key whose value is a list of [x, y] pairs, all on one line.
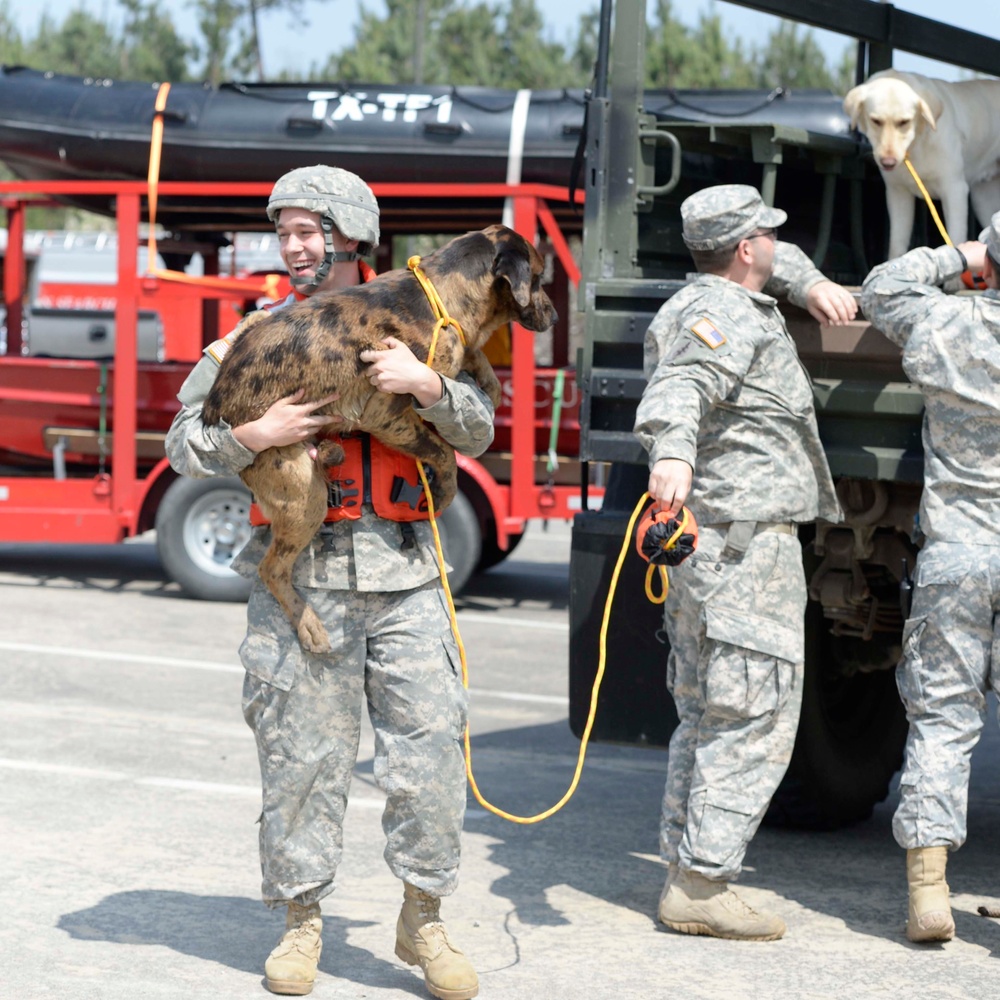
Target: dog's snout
{"points": [[888, 162]]}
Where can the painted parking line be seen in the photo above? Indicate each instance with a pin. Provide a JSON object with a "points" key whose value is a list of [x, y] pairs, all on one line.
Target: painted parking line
{"points": [[65, 652]]}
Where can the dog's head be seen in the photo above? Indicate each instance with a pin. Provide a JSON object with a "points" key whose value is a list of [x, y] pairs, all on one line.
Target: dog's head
{"points": [[891, 112], [499, 265]]}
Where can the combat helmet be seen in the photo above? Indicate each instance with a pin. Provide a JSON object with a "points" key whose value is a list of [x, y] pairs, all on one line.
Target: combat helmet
{"points": [[341, 199]]}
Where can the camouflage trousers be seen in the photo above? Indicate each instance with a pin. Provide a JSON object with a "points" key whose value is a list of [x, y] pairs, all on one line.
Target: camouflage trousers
{"points": [[735, 623], [396, 651], [951, 654]]}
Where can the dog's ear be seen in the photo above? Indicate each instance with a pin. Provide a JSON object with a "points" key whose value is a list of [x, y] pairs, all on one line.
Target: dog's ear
{"points": [[930, 109], [512, 262], [854, 104]]}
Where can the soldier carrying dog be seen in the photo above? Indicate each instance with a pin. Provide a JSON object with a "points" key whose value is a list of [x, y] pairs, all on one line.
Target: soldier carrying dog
{"points": [[373, 578], [951, 352], [728, 421]]}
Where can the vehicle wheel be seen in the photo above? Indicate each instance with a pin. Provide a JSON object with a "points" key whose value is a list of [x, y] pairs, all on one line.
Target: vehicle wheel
{"points": [[851, 735], [493, 554], [200, 526], [462, 540]]}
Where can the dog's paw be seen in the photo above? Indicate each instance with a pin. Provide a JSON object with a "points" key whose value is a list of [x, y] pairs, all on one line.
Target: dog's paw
{"points": [[312, 634]]}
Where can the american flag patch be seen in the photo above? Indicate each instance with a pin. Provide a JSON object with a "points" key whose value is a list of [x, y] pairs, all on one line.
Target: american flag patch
{"points": [[220, 348], [706, 331]]}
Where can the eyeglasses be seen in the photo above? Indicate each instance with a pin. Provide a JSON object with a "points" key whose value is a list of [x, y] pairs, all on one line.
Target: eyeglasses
{"points": [[771, 234]]}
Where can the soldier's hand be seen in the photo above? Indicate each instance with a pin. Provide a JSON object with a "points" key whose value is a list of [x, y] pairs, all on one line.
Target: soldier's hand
{"points": [[975, 255], [831, 303], [288, 421], [670, 483], [397, 369]]}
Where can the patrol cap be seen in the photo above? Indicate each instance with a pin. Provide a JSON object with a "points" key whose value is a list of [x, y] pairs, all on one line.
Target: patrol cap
{"points": [[991, 237], [721, 216]]}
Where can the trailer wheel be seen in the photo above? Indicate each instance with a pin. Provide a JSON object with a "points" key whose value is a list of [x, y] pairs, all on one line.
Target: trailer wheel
{"points": [[851, 735], [493, 554], [462, 540], [200, 526]]}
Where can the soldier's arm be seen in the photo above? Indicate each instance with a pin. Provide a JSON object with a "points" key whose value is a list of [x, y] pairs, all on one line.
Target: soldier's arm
{"points": [[195, 449], [898, 294], [463, 415], [797, 279], [700, 364]]}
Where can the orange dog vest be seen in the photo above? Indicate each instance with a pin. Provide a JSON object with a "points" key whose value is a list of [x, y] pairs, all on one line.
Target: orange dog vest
{"points": [[370, 473]]}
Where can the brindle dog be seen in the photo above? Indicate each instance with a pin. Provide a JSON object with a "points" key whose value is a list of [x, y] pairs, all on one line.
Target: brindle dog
{"points": [[485, 279]]}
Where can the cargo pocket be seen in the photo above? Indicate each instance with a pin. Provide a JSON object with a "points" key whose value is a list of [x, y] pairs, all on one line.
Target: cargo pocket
{"points": [[909, 675], [262, 656], [749, 670]]}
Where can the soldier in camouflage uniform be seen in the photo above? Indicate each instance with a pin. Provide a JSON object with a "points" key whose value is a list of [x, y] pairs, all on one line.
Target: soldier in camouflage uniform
{"points": [[377, 590], [728, 420], [951, 352]]}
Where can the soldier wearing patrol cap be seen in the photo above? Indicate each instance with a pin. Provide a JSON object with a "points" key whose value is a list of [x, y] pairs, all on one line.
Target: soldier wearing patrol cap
{"points": [[375, 583], [951, 352], [728, 421]]}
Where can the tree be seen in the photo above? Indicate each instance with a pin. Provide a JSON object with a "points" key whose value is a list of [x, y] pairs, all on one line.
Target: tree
{"points": [[461, 44], [151, 47], [82, 45], [681, 57], [11, 44], [793, 59]]}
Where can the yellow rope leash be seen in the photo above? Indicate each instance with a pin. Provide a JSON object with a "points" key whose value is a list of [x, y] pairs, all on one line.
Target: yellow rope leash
{"points": [[444, 320], [967, 278], [929, 200], [667, 545]]}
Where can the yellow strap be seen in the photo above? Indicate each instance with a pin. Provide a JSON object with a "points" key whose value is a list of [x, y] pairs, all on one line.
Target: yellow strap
{"points": [[153, 176], [267, 285], [443, 319], [595, 690]]}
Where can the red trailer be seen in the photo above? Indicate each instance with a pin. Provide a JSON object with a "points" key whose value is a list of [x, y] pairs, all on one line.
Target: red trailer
{"points": [[81, 440]]}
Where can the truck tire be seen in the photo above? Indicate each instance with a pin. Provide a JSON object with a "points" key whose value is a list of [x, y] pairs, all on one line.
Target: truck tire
{"points": [[851, 734], [200, 526], [462, 540]]}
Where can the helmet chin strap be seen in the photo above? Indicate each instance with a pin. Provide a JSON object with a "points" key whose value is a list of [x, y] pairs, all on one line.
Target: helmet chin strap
{"points": [[333, 256]]}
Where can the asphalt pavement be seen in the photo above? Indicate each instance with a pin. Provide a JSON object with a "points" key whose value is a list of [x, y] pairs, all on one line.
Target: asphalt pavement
{"points": [[131, 790]]}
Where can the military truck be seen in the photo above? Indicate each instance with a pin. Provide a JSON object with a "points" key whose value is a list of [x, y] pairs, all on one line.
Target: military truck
{"points": [[646, 152]]}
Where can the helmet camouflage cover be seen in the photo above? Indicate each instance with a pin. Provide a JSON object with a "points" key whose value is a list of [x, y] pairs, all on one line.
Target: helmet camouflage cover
{"points": [[333, 193]]}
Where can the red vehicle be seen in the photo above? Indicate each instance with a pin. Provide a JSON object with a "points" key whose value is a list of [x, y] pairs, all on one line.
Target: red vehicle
{"points": [[81, 439]]}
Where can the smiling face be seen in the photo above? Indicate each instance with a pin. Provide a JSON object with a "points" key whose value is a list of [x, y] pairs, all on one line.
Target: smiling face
{"points": [[302, 248], [890, 113]]}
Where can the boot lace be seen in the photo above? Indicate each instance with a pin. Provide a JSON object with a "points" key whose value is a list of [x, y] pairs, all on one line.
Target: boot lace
{"points": [[739, 907]]}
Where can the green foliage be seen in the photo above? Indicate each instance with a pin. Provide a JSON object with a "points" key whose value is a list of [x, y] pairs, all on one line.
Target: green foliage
{"points": [[460, 44]]}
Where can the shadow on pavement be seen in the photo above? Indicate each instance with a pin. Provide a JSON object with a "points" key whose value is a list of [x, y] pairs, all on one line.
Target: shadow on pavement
{"points": [[604, 842], [235, 932], [104, 567]]}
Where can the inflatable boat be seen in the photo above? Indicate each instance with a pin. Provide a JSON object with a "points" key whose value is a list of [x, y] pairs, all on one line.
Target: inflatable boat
{"points": [[58, 127]]}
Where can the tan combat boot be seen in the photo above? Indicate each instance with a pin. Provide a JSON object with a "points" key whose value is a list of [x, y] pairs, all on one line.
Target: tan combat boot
{"points": [[694, 904], [291, 968], [930, 912], [421, 939]]}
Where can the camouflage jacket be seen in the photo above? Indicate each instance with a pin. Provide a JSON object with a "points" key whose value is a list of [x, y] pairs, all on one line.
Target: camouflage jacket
{"points": [[364, 555], [951, 352], [727, 394]]}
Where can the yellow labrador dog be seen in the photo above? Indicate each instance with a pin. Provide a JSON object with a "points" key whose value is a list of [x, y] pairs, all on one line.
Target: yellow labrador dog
{"points": [[951, 133]]}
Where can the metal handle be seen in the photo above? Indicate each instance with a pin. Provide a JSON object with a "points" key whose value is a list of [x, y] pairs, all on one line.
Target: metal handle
{"points": [[658, 138]]}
